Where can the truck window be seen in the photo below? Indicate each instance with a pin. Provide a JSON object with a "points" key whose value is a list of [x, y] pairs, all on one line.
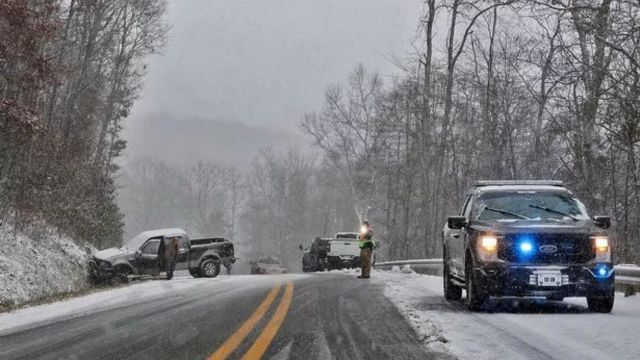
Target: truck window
{"points": [[184, 242], [151, 247], [464, 205], [347, 236], [469, 206]]}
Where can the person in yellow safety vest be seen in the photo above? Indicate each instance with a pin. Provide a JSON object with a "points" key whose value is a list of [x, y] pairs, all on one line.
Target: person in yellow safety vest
{"points": [[366, 245]]}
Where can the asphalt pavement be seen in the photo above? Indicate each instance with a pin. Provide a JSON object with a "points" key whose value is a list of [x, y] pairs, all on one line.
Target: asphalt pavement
{"points": [[317, 316]]}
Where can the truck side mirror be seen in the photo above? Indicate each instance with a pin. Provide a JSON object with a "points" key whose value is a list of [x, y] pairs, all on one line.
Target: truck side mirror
{"points": [[300, 247], [138, 252], [603, 222], [456, 222]]}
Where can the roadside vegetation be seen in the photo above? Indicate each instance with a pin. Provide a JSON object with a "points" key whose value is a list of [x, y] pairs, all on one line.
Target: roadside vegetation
{"points": [[69, 74]]}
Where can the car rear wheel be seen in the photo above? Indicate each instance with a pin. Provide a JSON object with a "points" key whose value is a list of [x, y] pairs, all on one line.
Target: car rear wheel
{"points": [[601, 303], [210, 268], [451, 291], [474, 299]]}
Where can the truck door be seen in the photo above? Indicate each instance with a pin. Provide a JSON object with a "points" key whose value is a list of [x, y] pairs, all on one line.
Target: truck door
{"points": [[457, 239], [183, 253], [147, 257], [462, 240]]}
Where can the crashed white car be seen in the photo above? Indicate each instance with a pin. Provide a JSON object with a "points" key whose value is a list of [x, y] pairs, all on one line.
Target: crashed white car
{"points": [[267, 265]]}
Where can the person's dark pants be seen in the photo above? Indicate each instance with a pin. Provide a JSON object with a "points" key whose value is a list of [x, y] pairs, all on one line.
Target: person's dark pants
{"points": [[365, 261], [170, 268], [161, 265]]}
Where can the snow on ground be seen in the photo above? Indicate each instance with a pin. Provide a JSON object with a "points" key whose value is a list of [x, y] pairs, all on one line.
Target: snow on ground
{"points": [[136, 292], [510, 329], [97, 301], [42, 264]]}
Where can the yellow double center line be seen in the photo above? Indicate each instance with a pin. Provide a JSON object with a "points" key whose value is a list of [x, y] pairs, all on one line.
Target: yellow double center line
{"points": [[268, 333]]}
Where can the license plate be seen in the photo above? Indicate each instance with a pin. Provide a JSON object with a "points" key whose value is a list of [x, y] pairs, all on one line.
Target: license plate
{"points": [[550, 278]]}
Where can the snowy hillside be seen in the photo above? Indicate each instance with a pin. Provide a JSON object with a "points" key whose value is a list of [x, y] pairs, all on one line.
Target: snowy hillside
{"points": [[39, 265]]}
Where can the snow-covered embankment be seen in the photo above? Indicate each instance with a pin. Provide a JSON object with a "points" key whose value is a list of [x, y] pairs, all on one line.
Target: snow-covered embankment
{"points": [[39, 265]]}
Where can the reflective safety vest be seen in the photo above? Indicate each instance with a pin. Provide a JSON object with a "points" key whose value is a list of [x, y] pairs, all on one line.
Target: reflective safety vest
{"points": [[365, 240]]}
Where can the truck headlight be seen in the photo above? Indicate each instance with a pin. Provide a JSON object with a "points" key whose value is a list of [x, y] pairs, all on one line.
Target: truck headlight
{"points": [[601, 244], [489, 243], [363, 229]]}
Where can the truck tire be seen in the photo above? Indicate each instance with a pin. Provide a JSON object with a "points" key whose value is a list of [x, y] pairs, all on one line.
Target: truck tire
{"points": [[210, 268], [601, 303], [321, 265], [120, 276], [451, 291], [195, 273], [474, 299]]}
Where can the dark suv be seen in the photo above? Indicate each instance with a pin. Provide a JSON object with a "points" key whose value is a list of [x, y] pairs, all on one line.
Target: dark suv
{"points": [[527, 239]]}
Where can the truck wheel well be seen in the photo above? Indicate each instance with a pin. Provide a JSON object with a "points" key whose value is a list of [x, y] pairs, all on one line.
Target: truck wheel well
{"points": [[468, 258], [125, 268]]}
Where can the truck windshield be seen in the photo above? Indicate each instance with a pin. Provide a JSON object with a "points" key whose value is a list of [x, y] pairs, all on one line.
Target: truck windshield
{"points": [[528, 205]]}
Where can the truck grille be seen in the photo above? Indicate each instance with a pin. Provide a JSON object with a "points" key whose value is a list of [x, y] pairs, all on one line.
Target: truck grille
{"points": [[569, 249]]}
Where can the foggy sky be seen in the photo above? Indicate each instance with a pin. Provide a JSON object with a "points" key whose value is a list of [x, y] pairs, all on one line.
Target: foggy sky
{"points": [[261, 65]]}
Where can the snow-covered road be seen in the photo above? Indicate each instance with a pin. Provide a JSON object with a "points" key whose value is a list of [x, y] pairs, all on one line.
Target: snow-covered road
{"points": [[331, 316], [324, 316], [508, 329]]}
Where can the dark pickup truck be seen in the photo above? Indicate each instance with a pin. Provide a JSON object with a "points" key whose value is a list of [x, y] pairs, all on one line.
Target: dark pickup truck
{"points": [[315, 255], [527, 239], [201, 257]]}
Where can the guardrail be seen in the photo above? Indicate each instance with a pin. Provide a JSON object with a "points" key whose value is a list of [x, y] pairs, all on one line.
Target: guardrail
{"points": [[627, 276], [421, 266]]}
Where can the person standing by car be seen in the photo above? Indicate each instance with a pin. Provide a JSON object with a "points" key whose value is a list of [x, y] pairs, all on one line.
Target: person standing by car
{"points": [[171, 248], [168, 255], [366, 249], [160, 260]]}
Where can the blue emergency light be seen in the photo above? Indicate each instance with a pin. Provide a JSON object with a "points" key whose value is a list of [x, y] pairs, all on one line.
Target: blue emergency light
{"points": [[525, 245], [601, 271]]}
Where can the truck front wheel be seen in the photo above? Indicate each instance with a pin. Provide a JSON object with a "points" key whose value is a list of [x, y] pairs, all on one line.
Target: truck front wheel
{"points": [[120, 276], [451, 291], [601, 303], [474, 298], [210, 268]]}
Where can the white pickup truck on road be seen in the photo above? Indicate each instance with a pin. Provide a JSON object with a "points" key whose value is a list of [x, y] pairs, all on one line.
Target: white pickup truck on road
{"points": [[344, 251]]}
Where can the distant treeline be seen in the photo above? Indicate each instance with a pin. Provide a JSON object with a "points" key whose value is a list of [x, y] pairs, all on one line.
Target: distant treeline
{"points": [[69, 74], [284, 199]]}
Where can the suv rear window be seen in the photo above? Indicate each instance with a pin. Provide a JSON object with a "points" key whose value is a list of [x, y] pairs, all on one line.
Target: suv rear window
{"points": [[528, 205]]}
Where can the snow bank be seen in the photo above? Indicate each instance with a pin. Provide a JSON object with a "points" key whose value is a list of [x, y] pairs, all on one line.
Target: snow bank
{"points": [[513, 329], [38, 265]]}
